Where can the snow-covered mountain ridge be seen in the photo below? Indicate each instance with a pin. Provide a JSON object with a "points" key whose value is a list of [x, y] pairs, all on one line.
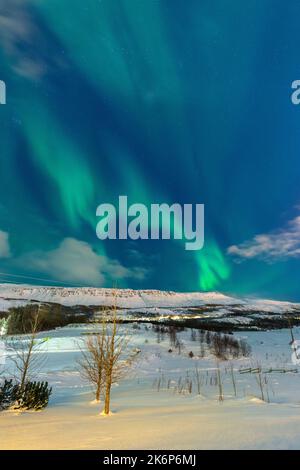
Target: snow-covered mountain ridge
{"points": [[136, 299]]}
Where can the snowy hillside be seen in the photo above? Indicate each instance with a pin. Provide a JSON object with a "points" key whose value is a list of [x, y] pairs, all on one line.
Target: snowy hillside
{"points": [[126, 298], [212, 307]]}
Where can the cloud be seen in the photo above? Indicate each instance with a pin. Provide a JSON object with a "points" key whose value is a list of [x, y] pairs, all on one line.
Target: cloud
{"points": [[4, 245], [276, 245], [18, 33], [75, 261], [24, 40]]}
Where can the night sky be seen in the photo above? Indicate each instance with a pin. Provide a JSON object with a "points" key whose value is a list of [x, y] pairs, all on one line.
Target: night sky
{"points": [[163, 101]]}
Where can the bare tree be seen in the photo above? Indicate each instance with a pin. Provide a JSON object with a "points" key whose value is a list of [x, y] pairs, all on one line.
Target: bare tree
{"points": [[26, 356], [92, 361], [115, 346], [233, 379], [105, 358], [220, 384]]}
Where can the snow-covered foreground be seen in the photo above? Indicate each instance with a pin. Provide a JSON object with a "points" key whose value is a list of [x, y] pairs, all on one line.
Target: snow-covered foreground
{"points": [[156, 406]]}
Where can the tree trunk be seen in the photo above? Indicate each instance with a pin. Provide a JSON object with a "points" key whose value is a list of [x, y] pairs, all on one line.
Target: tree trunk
{"points": [[98, 391], [107, 398], [24, 373]]}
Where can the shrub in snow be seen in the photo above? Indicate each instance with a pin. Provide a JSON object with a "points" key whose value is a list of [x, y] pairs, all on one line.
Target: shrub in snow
{"points": [[32, 396], [8, 392]]}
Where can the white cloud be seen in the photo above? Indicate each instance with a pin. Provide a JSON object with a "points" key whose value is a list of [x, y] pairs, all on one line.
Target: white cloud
{"points": [[279, 244], [20, 35], [4, 245], [75, 261], [16, 28]]}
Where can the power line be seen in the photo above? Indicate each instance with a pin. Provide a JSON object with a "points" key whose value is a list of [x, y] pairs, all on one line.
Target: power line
{"points": [[23, 276]]}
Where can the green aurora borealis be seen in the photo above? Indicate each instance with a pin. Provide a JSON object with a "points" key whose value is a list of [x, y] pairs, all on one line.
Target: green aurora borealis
{"points": [[161, 100]]}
